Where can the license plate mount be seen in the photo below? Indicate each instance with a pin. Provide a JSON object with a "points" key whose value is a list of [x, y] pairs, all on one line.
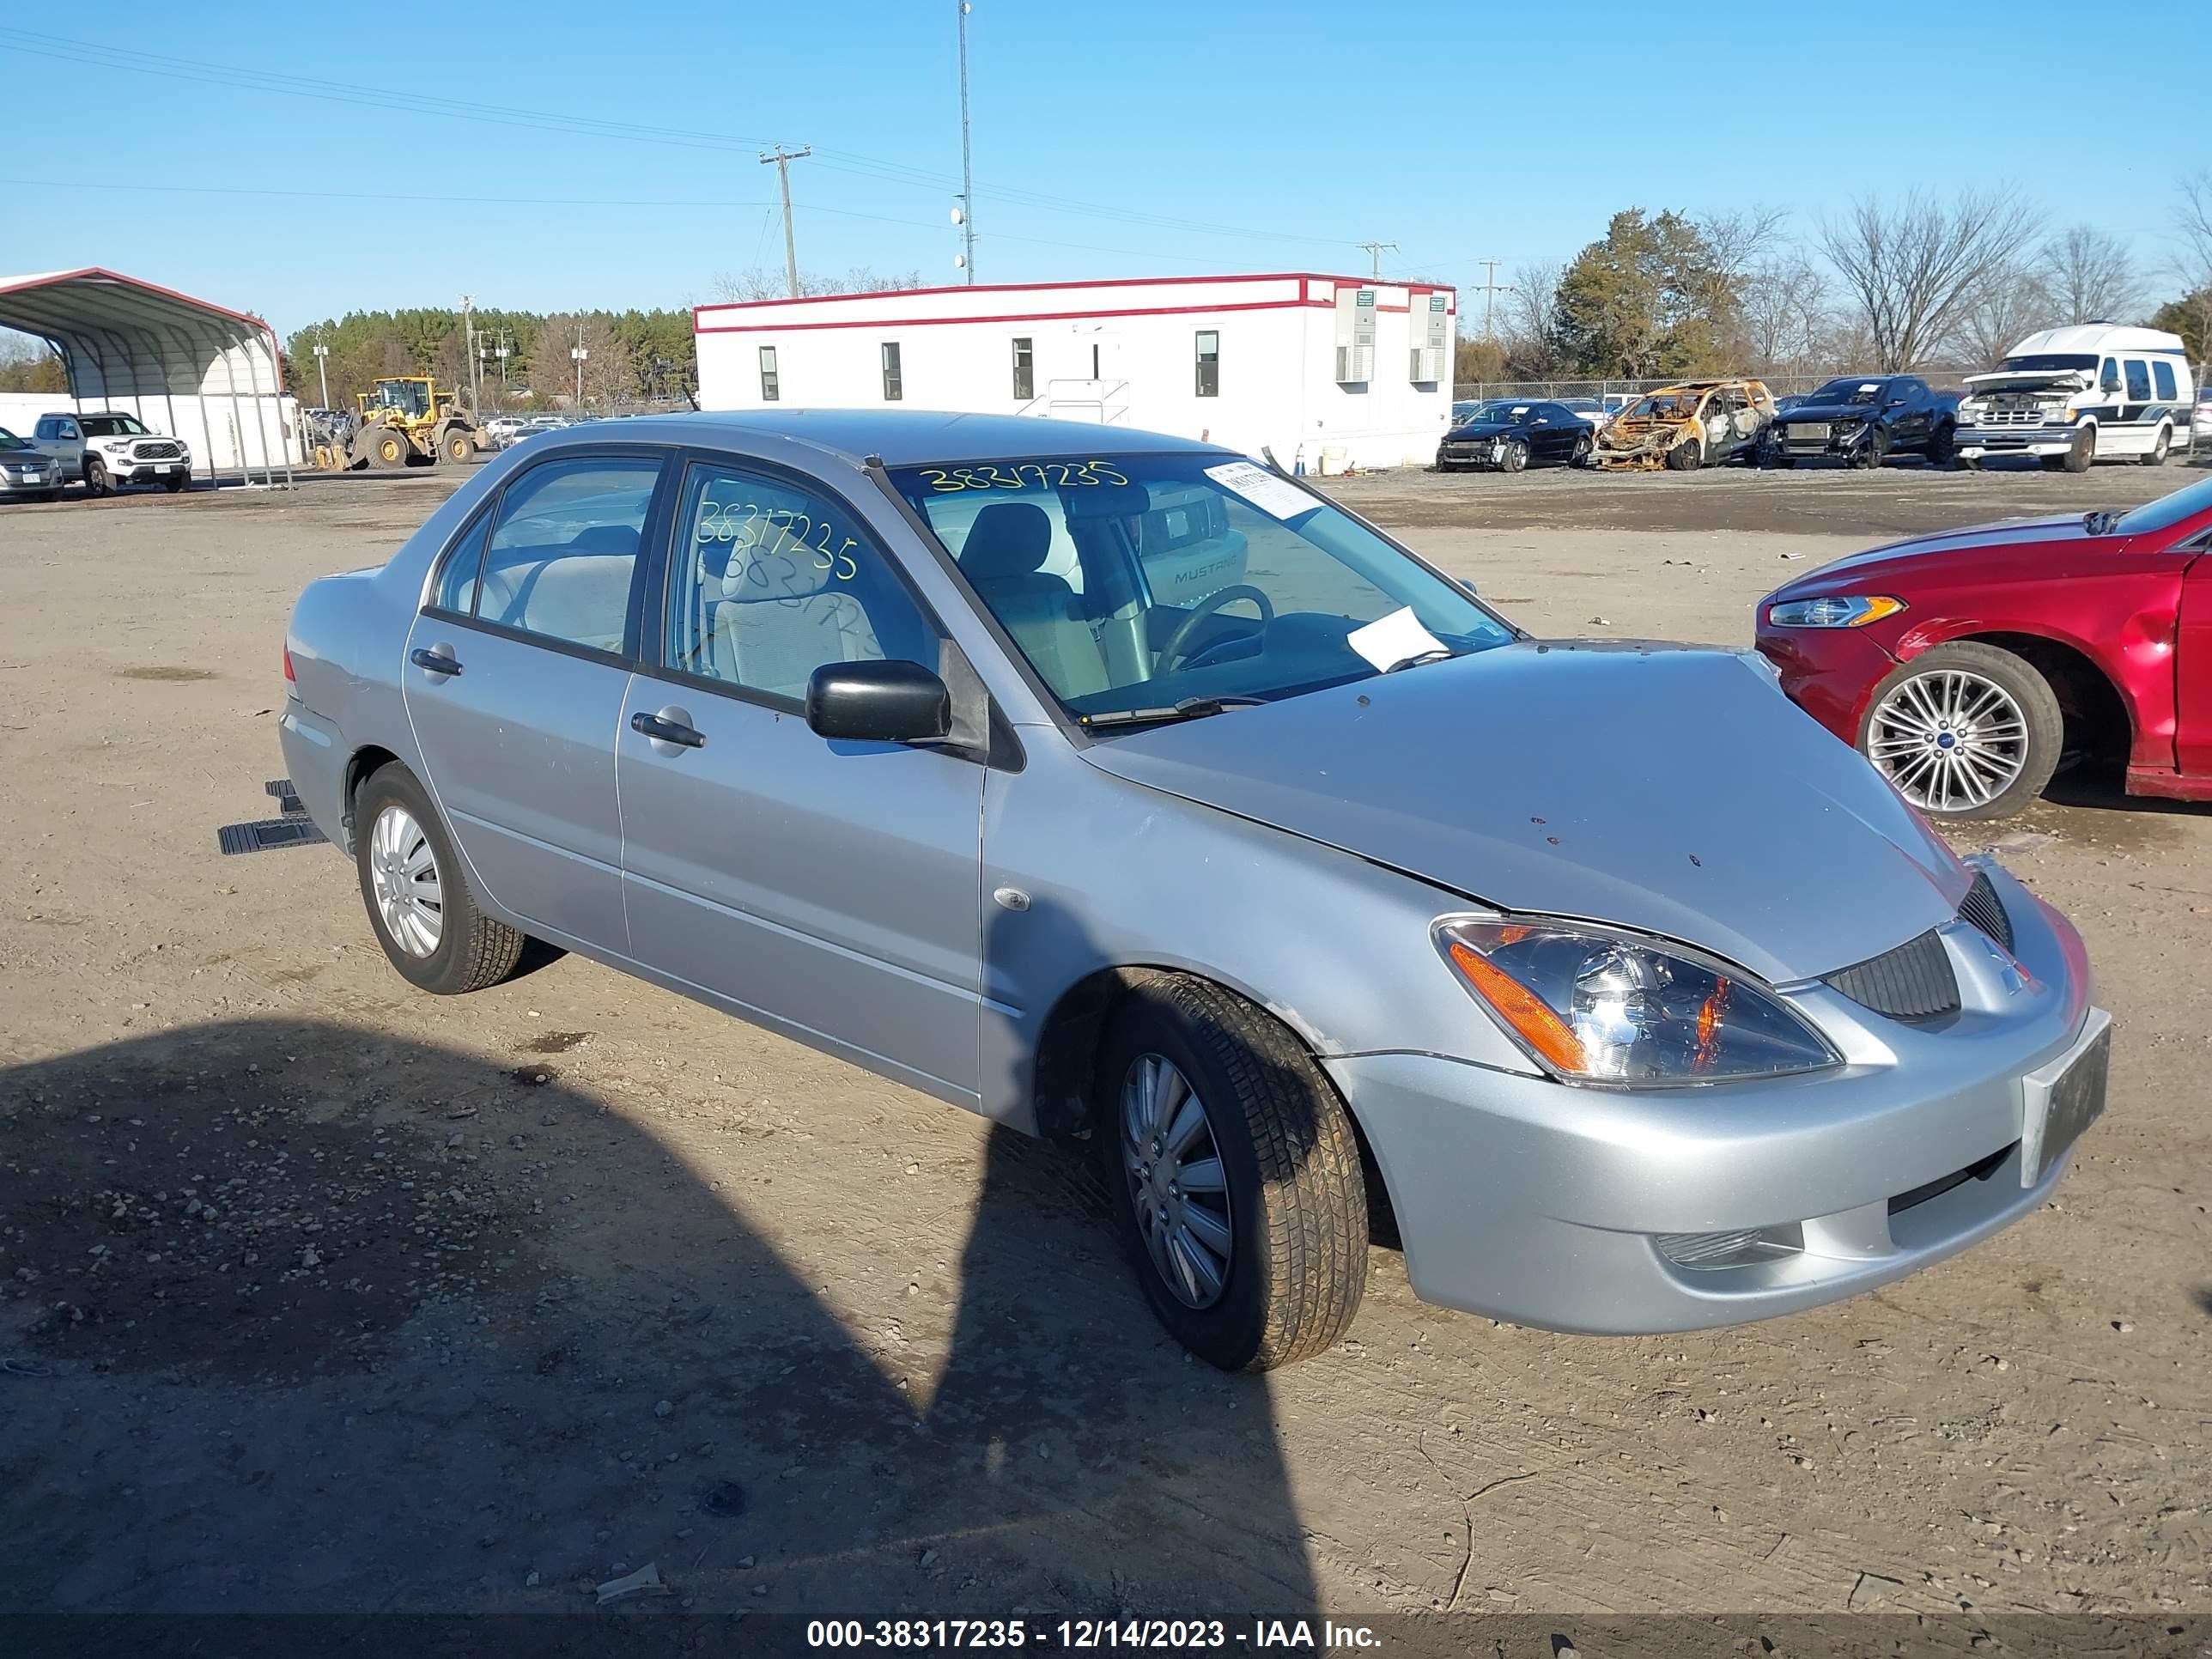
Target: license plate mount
{"points": [[2064, 1098]]}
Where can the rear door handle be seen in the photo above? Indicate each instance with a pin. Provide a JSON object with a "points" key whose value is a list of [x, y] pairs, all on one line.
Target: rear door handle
{"points": [[667, 731], [436, 661]]}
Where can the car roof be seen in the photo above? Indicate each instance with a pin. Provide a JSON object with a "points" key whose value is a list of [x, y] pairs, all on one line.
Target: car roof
{"points": [[903, 437]]}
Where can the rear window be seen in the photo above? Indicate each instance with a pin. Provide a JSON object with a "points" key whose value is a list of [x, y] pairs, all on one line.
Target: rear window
{"points": [[2163, 374], [2138, 381]]}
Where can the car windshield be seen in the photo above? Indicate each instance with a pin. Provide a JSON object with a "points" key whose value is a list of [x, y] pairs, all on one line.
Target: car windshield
{"points": [[10, 440], [113, 426], [2167, 511], [1847, 392], [2048, 363], [1663, 406], [1140, 581], [1499, 410]]}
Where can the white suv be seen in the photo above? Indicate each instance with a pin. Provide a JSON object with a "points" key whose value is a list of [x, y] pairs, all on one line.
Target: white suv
{"points": [[107, 448]]}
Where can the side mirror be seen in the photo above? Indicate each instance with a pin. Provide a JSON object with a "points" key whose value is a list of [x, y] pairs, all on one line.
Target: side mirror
{"points": [[878, 703]]}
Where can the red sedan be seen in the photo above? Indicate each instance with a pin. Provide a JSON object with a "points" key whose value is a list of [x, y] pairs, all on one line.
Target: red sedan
{"points": [[1965, 665]]}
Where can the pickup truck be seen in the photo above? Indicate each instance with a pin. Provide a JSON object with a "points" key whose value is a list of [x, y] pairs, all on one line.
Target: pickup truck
{"points": [[1864, 419], [107, 447]]}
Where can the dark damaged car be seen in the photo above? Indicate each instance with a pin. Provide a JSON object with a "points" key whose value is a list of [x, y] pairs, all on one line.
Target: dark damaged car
{"points": [[1508, 436], [1862, 420]]}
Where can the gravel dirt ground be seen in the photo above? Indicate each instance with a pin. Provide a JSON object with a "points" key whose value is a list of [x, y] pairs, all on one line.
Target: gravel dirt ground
{"points": [[316, 1294]]}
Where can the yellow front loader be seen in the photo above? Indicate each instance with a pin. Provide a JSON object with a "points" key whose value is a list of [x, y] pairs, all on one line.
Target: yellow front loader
{"points": [[408, 419]]}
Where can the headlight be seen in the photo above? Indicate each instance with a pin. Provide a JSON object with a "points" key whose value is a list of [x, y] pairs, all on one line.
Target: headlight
{"points": [[1855, 611], [1594, 1006]]}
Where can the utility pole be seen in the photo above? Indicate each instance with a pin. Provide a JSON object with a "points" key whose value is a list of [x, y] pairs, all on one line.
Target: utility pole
{"points": [[469, 338], [1375, 253], [322, 363], [506, 346], [967, 184], [1491, 286], [783, 158], [578, 352]]}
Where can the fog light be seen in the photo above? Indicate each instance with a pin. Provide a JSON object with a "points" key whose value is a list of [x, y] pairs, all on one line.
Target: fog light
{"points": [[1738, 1247]]}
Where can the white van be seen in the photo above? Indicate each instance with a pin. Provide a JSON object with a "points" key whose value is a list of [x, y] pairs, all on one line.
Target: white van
{"points": [[2094, 392]]}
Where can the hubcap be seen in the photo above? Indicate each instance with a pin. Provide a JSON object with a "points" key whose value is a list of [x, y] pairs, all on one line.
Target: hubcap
{"points": [[1177, 1184], [402, 872], [1949, 740]]}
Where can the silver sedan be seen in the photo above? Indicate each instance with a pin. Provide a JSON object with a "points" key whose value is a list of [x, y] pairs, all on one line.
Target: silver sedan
{"points": [[1129, 792]]}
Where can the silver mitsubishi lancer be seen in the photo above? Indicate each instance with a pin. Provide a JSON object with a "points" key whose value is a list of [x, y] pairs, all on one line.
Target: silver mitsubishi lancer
{"points": [[1129, 792]]}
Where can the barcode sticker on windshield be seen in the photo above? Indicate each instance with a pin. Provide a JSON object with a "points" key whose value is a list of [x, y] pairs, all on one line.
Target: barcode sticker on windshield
{"points": [[1270, 494]]}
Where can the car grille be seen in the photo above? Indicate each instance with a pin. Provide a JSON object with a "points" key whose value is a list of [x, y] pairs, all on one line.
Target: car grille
{"points": [[2016, 415], [1806, 432], [155, 452], [1983, 908], [1914, 981]]}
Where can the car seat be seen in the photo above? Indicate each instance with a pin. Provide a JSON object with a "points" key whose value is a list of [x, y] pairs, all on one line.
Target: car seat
{"points": [[1007, 546]]}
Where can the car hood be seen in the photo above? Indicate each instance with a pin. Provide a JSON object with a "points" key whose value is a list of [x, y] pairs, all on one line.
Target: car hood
{"points": [[1900, 558], [1827, 412], [1668, 788], [2031, 379]]}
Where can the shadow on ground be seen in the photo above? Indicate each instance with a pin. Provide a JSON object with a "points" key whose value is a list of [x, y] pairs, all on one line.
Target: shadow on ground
{"points": [[296, 1318]]}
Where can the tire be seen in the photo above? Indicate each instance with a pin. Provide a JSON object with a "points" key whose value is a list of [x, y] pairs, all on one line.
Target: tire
{"points": [[2084, 451], [1905, 722], [455, 449], [1686, 457], [177, 482], [96, 481], [1515, 458], [387, 450], [1943, 447], [1582, 453], [470, 950], [2160, 449], [1293, 1202], [1869, 458]]}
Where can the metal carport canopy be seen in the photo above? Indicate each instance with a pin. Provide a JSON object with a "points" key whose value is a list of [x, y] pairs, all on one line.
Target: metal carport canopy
{"points": [[120, 336]]}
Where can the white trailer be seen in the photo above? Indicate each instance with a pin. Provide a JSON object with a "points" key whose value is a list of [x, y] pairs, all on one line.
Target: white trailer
{"points": [[1329, 372]]}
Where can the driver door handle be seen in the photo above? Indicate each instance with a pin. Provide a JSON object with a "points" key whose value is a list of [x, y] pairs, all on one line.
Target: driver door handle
{"points": [[436, 661], [663, 731]]}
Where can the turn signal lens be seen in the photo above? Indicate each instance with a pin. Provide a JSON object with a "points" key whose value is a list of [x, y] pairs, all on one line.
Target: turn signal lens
{"points": [[1853, 610], [1594, 1005], [290, 678]]}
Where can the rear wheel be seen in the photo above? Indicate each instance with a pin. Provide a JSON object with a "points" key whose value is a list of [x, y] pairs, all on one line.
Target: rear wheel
{"points": [[418, 898], [2160, 448], [1686, 457], [1965, 730], [1581, 457], [1234, 1176]]}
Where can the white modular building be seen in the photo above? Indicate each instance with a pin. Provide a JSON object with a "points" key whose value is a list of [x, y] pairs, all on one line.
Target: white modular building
{"points": [[1329, 372]]}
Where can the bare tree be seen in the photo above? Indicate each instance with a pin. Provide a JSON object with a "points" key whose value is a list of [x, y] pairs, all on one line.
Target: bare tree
{"points": [[1913, 267], [2196, 262], [2012, 302], [1742, 238], [2089, 275], [756, 282], [1531, 318], [1784, 304]]}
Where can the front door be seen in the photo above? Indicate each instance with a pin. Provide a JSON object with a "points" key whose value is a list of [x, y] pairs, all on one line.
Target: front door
{"points": [[830, 890], [2192, 670], [515, 682]]}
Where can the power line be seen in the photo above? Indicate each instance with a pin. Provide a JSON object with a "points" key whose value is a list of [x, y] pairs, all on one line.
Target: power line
{"points": [[846, 161], [1374, 252], [783, 158]]}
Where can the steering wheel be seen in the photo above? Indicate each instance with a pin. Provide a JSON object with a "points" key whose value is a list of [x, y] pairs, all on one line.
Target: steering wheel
{"points": [[1171, 655]]}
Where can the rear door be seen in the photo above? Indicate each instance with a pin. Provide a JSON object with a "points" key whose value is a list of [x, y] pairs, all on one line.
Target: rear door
{"points": [[515, 682], [831, 890]]}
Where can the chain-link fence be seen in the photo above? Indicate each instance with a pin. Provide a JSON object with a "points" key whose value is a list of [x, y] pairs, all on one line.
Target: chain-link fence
{"points": [[1782, 386]]}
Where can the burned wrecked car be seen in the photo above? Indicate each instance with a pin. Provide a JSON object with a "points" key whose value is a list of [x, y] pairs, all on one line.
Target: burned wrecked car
{"points": [[1683, 427]]}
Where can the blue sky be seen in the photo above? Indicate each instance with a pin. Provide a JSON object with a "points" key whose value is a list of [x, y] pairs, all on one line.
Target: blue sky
{"points": [[1154, 136]]}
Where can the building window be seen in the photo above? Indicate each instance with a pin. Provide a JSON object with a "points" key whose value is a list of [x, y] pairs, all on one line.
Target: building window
{"points": [[1024, 371], [1209, 364], [893, 388], [771, 388]]}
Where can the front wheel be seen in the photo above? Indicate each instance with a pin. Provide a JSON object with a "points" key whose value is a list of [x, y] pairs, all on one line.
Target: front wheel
{"points": [[418, 899], [96, 481], [2078, 456], [455, 449], [1686, 457], [1943, 446], [176, 483], [1516, 459], [1234, 1176], [1874, 453], [1965, 730]]}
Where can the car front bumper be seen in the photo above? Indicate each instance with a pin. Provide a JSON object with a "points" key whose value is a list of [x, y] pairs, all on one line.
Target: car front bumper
{"points": [[1829, 672], [1792, 444], [1486, 453], [42, 483], [1974, 441], [1567, 1208]]}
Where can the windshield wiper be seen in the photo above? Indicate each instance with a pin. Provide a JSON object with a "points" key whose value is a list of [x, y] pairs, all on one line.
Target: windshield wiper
{"points": [[1442, 654], [2100, 522], [1190, 709]]}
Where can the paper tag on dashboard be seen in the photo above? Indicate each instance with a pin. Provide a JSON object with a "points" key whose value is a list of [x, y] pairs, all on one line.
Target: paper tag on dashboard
{"points": [[1261, 487], [1393, 639]]}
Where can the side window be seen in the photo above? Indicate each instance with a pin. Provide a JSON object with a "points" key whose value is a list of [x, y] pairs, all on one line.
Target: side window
{"points": [[2109, 378], [2161, 373], [770, 580], [67, 429], [771, 385], [48, 427], [458, 576], [563, 551], [2138, 381]]}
